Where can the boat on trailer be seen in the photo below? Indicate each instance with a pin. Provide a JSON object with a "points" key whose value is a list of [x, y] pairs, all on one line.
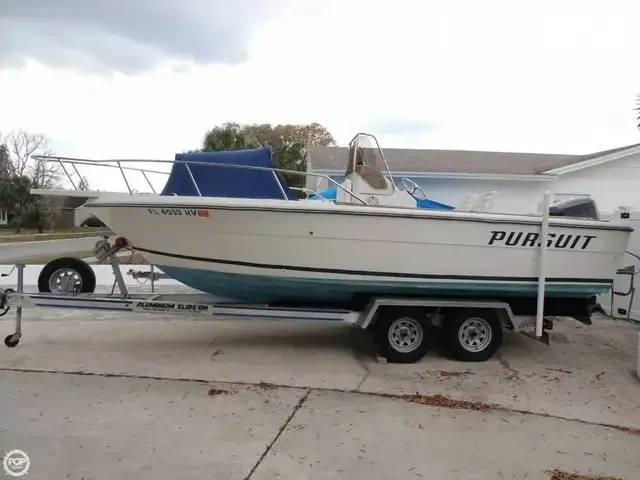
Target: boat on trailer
{"points": [[227, 224]]}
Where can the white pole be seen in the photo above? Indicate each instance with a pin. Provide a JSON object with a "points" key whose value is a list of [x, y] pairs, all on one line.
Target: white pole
{"points": [[542, 272], [638, 369]]}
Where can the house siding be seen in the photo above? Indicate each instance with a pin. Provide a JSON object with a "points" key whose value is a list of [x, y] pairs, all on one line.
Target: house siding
{"points": [[511, 196], [611, 184], [622, 282]]}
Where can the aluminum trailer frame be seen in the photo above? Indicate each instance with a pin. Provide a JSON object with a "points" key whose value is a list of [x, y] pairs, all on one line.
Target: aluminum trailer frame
{"points": [[398, 316], [204, 307]]}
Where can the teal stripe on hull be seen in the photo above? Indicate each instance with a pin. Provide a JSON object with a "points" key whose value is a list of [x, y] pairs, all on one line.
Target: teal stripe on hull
{"points": [[268, 289]]}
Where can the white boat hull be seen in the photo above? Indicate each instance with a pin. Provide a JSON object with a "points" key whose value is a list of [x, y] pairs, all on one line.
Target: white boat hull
{"points": [[309, 251]]}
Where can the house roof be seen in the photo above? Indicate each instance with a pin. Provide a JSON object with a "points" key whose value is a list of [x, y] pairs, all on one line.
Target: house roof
{"points": [[603, 153], [458, 161]]}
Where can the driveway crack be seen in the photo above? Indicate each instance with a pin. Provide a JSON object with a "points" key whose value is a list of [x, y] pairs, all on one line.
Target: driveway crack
{"points": [[297, 407]]}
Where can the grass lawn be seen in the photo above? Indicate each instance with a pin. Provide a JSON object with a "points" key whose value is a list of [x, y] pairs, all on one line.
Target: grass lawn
{"points": [[10, 236]]}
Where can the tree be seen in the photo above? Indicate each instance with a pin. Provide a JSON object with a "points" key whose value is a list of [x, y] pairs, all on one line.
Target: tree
{"points": [[290, 143], [229, 136], [6, 167], [22, 146], [15, 197], [83, 184], [20, 173]]}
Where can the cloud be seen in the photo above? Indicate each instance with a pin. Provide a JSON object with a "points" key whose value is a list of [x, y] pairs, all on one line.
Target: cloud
{"points": [[129, 35], [539, 76]]}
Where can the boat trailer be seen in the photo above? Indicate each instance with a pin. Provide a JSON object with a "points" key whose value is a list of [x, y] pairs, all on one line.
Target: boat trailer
{"points": [[404, 329]]}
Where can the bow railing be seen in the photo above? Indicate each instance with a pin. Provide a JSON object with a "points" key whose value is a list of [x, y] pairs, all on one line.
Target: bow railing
{"points": [[123, 165]]}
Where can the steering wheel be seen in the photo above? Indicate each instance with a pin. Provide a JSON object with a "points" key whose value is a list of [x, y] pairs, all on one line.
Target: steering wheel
{"points": [[413, 188]]}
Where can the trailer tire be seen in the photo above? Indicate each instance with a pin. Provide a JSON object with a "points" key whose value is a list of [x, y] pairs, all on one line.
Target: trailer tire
{"points": [[471, 335], [401, 334], [81, 271], [12, 340]]}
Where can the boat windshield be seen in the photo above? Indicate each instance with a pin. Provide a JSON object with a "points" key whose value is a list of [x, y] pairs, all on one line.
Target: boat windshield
{"points": [[366, 159]]}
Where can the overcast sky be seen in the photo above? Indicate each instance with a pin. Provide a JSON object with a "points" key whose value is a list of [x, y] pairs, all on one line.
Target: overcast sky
{"points": [[146, 78]]}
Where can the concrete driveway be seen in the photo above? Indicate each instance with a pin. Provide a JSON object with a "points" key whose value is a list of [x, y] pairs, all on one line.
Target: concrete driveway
{"points": [[12, 251], [104, 395]]}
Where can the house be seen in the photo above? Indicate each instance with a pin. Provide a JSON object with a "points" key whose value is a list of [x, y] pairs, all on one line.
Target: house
{"points": [[68, 210], [4, 217], [73, 205], [611, 177]]}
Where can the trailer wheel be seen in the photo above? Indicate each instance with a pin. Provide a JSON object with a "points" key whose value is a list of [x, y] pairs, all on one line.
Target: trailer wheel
{"points": [[67, 275], [12, 340], [401, 336], [472, 335]]}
